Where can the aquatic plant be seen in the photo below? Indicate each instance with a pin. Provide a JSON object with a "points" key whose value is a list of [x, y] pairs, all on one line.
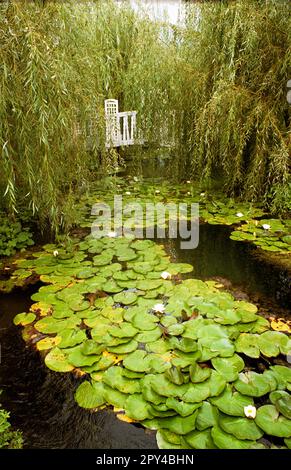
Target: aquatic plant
{"points": [[9, 439], [175, 355]]}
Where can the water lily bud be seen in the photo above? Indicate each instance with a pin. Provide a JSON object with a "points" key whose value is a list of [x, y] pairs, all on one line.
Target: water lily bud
{"points": [[56, 253], [111, 234], [250, 411], [239, 214], [166, 275], [159, 308], [266, 226], [188, 193]]}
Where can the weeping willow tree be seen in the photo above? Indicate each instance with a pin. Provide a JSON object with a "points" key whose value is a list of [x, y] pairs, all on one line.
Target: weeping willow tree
{"points": [[214, 87], [58, 62], [239, 59]]}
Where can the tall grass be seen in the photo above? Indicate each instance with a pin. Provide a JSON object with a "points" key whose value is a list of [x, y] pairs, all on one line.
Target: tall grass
{"points": [[218, 85]]}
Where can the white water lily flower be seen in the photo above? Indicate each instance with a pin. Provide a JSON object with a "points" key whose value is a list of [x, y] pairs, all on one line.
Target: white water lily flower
{"points": [[128, 193], [202, 194], [188, 193], [157, 191], [266, 226], [135, 178], [160, 308], [166, 275], [239, 214], [56, 253], [250, 411], [188, 182], [111, 234]]}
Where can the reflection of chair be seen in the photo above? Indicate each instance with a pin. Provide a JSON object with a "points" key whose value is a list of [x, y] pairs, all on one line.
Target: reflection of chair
{"points": [[120, 127]]}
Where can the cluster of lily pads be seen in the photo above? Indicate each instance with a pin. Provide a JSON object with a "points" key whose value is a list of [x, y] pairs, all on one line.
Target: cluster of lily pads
{"points": [[214, 208], [269, 234], [178, 356]]}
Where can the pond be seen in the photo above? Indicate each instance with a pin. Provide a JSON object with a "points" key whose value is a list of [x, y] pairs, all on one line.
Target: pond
{"points": [[41, 402]]}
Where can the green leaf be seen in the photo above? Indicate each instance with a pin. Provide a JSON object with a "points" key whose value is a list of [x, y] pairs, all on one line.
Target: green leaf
{"points": [[200, 440], [224, 440], [137, 408], [241, 428], [231, 403], [282, 401], [138, 361], [252, 384], [57, 361], [272, 423], [125, 298], [182, 408], [207, 416], [24, 319], [90, 395], [228, 367]]}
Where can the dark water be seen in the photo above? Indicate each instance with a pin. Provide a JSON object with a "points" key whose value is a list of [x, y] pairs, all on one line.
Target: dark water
{"points": [[41, 402]]}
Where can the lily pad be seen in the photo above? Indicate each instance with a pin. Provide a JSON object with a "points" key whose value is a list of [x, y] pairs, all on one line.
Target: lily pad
{"points": [[125, 298], [232, 403], [252, 384], [228, 367], [24, 319], [90, 395], [271, 422], [207, 416], [241, 428], [57, 361]]}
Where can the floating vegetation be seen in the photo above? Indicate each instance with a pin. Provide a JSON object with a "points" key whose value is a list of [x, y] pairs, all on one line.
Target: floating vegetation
{"points": [[176, 355]]}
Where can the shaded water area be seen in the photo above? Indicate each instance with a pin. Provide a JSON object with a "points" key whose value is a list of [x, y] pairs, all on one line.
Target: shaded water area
{"points": [[42, 403]]}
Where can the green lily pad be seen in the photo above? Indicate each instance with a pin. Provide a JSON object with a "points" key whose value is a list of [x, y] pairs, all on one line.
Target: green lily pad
{"points": [[90, 395], [182, 408], [224, 440], [200, 440], [114, 397], [271, 422], [282, 401], [71, 337], [57, 361], [124, 330], [124, 348], [136, 407], [199, 374], [177, 424], [252, 384], [138, 361], [228, 367], [115, 379], [241, 428], [248, 344], [125, 298], [232, 403], [207, 416], [149, 336], [24, 318]]}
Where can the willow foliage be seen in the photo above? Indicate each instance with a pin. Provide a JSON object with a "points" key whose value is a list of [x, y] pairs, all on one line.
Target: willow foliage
{"points": [[214, 88]]}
